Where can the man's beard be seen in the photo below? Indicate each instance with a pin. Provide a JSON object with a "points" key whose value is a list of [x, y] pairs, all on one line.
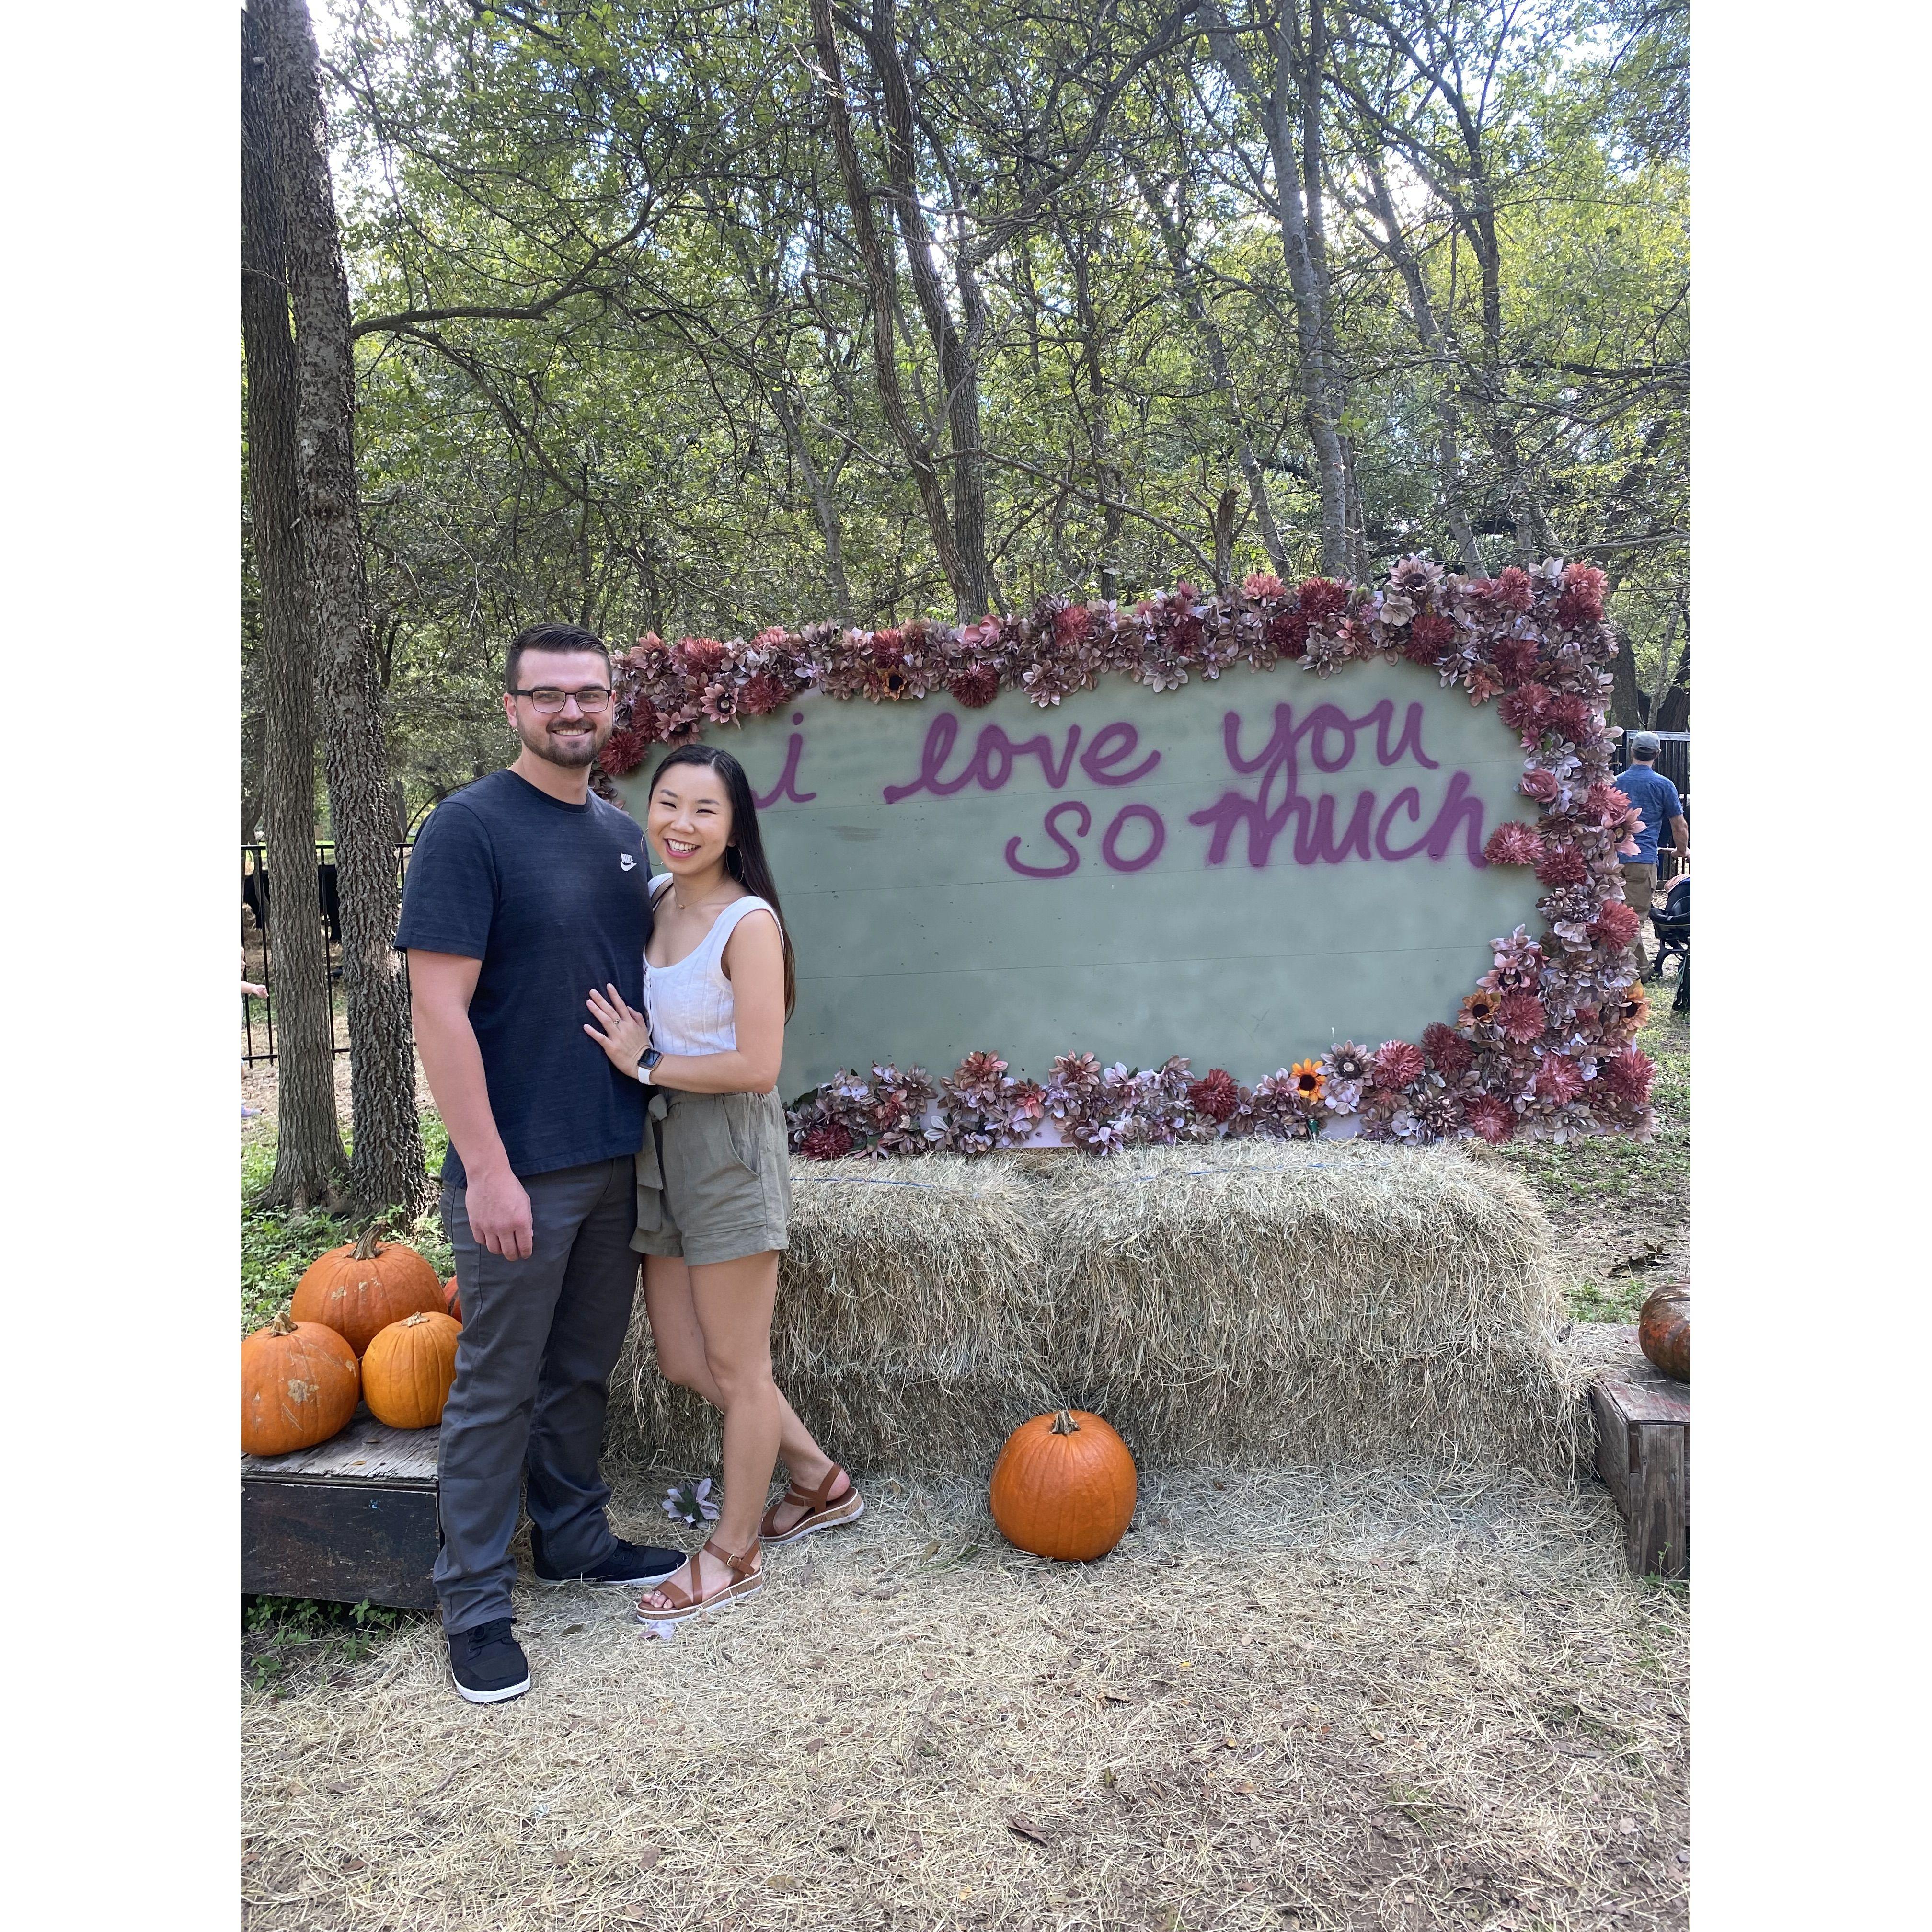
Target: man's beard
{"points": [[573, 753]]}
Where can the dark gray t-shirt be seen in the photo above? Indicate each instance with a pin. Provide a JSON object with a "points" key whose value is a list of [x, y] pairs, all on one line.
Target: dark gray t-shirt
{"points": [[553, 899]]}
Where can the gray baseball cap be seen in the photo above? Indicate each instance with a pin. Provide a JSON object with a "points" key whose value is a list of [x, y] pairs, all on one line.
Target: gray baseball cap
{"points": [[1645, 741]]}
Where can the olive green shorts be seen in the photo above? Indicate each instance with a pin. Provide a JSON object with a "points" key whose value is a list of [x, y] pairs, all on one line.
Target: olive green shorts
{"points": [[714, 1177]]}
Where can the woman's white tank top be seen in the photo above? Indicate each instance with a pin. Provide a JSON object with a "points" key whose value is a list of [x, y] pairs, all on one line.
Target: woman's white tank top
{"points": [[689, 1005]]}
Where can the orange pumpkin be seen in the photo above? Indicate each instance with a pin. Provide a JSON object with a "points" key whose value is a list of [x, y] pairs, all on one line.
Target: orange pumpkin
{"points": [[408, 1370], [452, 1302], [1064, 1486], [299, 1386], [1663, 1331], [360, 1288]]}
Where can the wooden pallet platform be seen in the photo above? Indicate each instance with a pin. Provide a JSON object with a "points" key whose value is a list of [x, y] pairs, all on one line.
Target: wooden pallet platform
{"points": [[1643, 1455], [351, 1521]]}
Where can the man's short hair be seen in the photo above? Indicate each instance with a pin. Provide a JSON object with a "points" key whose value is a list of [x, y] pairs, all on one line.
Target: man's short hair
{"points": [[550, 638]]}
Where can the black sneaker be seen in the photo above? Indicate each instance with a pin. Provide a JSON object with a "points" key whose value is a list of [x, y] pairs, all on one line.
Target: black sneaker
{"points": [[488, 1663], [630, 1566]]}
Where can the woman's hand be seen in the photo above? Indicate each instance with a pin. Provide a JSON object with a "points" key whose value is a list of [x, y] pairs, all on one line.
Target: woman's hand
{"points": [[621, 1030]]}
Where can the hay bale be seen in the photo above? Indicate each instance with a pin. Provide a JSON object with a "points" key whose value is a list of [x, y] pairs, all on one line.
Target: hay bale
{"points": [[1239, 1303], [909, 1327], [1266, 1302]]}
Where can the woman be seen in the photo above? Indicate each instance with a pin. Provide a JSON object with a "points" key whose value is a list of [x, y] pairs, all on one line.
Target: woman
{"points": [[713, 1188]]}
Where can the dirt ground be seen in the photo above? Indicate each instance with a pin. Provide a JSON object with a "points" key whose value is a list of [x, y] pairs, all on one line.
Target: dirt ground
{"points": [[1285, 1700]]}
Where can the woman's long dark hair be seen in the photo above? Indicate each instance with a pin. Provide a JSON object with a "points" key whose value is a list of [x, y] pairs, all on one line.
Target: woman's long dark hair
{"points": [[745, 856]]}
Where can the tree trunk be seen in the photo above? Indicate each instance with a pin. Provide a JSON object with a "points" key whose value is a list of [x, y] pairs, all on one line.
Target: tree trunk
{"points": [[309, 1162], [1627, 702], [918, 451], [1222, 527], [1079, 243], [1671, 712], [1275, 107], [957, 355], [1358, 533], [386, 1166], [1449, 459], [824, 506], [1175, 243]]}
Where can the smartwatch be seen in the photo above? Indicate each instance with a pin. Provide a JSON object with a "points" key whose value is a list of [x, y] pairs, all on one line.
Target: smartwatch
{"points": [[652, 1057]]}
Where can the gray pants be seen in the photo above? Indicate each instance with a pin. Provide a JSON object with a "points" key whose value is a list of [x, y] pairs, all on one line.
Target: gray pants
{"points": [[540, 1338]]}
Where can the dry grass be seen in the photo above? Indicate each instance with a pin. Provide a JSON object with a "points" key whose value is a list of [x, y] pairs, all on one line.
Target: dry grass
{"points": [[1286, 1700]]}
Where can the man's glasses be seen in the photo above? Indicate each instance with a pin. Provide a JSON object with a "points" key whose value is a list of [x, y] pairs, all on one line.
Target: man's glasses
{"points": [[547, 698]]}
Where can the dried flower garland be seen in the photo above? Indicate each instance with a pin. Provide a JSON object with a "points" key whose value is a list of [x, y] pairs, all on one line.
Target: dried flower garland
{"points": [[1544, 1045]]}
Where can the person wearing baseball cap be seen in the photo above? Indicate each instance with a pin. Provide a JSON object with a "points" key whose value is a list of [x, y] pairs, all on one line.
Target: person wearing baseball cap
{"points": [[1656, 798]]}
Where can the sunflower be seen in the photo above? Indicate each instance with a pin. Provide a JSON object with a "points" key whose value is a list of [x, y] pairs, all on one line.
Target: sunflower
{"points": [[1631, 1008], [1479, 1009], [1308, 1083]]}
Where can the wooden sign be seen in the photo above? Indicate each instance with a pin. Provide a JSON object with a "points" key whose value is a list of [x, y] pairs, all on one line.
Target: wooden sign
{"points": [[1244, 870]]}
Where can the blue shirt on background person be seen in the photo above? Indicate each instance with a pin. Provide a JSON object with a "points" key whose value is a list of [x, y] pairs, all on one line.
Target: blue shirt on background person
{"points": [[1656, 797]]}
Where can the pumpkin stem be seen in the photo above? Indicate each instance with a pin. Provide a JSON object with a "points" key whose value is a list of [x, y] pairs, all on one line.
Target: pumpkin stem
{"points": [[414, 1321], [367, 1247], [1063, 1423], [282, 1324]]}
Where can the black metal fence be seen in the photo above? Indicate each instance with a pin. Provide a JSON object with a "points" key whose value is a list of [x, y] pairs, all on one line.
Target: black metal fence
{"points": [[258, 1015], [1673, 759]]}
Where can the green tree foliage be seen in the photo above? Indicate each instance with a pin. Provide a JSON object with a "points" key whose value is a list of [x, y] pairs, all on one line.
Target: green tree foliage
{"points": [[614, 323]]}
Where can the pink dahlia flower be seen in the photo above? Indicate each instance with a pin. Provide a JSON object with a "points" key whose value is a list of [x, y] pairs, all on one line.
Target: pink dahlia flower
{"points": [[1514, 591], [1397, 1063], [1562, 865], [1514, 843], [1217, 1095], [975, 688], [1615, 925], [699, 656], [1515, 658], [624, 750], [1520, 1015], [827, 1141], [1320, 597], [1559, 1078], [1630, 1074], [1449, 1053]]}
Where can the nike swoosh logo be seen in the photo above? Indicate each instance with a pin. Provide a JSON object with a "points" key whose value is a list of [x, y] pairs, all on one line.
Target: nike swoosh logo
{"points": [[627, 860]]}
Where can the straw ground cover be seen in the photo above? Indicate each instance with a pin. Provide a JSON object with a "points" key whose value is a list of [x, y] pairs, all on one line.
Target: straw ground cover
{"points": [[1285, 1700]]}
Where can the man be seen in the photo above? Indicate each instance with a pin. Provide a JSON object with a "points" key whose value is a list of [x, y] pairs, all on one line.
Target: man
{"points": [[524, 892], [1656, 798]]}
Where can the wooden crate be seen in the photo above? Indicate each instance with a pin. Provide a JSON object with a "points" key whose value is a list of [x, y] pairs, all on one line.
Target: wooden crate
{"points": [[1643, 1455], [351, 1521]]}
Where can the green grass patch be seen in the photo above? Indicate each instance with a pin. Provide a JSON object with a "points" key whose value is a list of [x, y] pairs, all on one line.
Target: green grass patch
{"points": [[1615, 1167], [277, 1245], [283, 1636]]}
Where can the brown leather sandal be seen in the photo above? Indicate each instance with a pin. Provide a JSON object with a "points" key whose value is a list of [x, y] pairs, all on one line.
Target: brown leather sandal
{"points": [[819, 1514], [746, 1581]]}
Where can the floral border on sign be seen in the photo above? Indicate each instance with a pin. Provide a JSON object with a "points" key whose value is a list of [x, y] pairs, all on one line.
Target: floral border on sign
{"points": [[1545, 1045]]}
